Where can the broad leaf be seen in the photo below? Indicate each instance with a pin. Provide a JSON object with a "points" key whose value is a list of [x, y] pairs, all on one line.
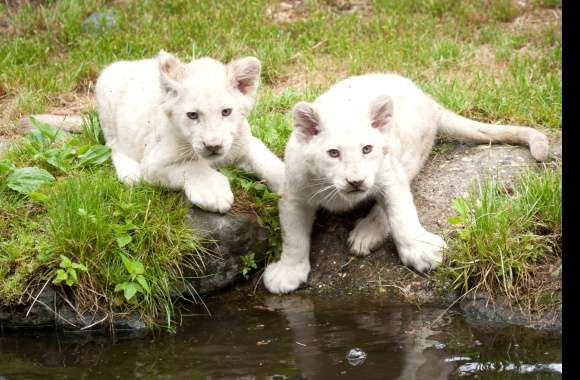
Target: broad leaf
{"points": [[6, 166], [141, 280], [131, 289], [65, 262], [27, 180], [96, 155], [123, 240]]}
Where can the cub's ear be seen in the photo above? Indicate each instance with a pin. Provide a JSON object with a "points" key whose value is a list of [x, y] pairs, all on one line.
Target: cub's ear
{"points": [[381, 112], [244, 74], [306, 121], [171, 72]]}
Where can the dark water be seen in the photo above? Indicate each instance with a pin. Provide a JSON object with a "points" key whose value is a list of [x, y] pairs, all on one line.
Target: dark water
{"points": [[292, 337]]}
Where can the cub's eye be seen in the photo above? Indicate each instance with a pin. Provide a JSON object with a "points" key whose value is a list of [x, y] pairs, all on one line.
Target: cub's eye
{"points": [[334, 153], [367, 149], [226, 112], [193, 115]]}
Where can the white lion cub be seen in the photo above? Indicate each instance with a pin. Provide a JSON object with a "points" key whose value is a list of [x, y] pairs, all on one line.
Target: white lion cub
{"points": [[172, 124], [368, 137]]}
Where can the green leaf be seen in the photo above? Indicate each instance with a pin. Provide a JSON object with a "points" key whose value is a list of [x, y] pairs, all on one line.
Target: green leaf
{"points": [[38, 196], [126, 262], [65, 262], [96, 155], [46, 130], [80, 266], [27, 180], [137, 268], [455, 219], [123, 240], [131, 289], [143, 281], [72, 277], [60, 276], [60, 158], [6, 166]]}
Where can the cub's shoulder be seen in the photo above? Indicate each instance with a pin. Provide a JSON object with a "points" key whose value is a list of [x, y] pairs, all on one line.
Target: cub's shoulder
{"points": [[124, 69]]}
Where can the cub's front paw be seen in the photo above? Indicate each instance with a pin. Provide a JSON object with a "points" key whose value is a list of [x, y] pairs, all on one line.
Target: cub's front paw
{"points": [[422, 252], [281, 277], [366, 236], [211, 194]]}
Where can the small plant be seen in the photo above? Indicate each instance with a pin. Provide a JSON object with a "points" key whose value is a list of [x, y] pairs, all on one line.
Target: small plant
{"points": [[59, 152], [68, 271], [248, 264], [137, 283], [264, 202]]}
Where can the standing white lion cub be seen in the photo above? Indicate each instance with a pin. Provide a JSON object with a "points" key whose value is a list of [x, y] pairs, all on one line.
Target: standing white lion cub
{"points": [[368, 136], [172, 124]]}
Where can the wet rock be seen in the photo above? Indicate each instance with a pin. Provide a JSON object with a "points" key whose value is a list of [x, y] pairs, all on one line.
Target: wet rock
{"points": [[50, 310], [99, 22], [479, 310], [233, 236], [356, 357]]}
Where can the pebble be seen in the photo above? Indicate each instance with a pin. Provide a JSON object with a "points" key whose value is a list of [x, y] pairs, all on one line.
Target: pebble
{"points": [[99, 22], [439, 346], [356, 356]]}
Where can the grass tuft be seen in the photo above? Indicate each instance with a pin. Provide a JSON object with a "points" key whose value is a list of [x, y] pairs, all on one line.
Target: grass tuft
{"points": [[509, 240]]}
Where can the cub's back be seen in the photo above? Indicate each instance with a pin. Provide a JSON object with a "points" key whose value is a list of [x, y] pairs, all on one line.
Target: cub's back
{"points": [[127, 86]]}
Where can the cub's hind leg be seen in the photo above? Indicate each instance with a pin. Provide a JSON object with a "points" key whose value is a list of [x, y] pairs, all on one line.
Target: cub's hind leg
{"points": [[369, 233]]}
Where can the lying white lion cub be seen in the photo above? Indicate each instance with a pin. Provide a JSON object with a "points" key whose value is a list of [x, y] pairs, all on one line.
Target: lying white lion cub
{"points": [[172, 124], [368, 136]]}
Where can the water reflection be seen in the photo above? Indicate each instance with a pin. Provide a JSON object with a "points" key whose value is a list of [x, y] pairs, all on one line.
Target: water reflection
{"points": [[290, 337], [399, 339]]}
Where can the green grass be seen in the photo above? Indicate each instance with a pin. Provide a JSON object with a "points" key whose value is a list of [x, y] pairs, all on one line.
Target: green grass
{"points": [[127, 248], [47, 53], [509, 240]]}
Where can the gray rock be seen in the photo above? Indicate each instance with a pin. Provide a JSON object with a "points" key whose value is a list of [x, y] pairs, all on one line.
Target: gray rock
{"points": [[99, 22], [232, 236], [480, 311]]}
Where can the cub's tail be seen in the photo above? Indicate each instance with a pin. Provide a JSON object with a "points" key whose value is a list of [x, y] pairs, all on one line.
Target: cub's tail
{"points": [[461, 128], [69, 123]]}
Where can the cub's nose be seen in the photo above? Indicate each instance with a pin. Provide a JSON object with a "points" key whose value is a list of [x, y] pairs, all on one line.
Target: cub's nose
{"points": [[355, 184], [213, 149]]}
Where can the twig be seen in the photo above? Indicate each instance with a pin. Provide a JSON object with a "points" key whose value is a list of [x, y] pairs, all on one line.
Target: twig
{"points": [[96, 323], [258, 283], [345, 264], [57, 314], [452, 304], [65, 298], [36, 298]]}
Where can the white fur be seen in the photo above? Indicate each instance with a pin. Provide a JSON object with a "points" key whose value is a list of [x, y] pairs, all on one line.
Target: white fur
{"points": [[400, 122], [143, 107]]}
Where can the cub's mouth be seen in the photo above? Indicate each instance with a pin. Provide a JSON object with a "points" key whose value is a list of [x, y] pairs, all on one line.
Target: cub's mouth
{"points": [[214, 155]]}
